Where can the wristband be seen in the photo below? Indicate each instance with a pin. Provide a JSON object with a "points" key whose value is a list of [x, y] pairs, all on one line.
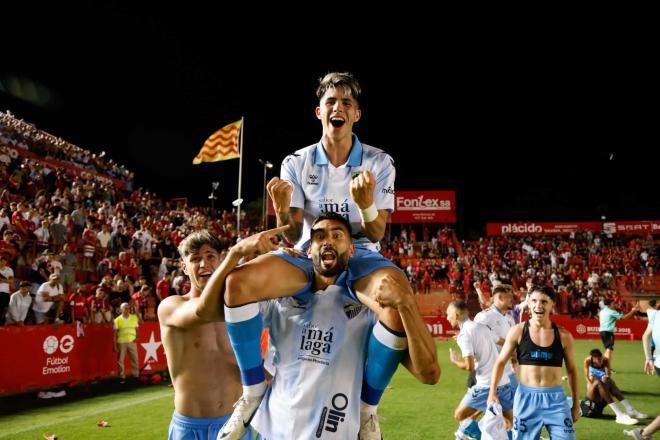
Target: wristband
{"points": [[370, 214]]}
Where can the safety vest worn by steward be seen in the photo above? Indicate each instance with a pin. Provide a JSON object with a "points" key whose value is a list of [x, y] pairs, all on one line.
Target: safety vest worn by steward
{"points": [[126, 331]]}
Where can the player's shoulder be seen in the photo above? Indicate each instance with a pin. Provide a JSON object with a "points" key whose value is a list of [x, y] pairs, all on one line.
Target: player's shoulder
{"points": [[301, 155], [376, 154]]}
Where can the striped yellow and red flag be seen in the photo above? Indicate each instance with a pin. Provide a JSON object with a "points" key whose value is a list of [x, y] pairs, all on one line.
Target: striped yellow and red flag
{"points": [[221, 145]]}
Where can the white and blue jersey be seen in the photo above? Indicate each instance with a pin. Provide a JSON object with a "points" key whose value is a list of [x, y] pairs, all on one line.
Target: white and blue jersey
{"points": [[317, 351], [478, 341], [320, 187], [499, 325]]}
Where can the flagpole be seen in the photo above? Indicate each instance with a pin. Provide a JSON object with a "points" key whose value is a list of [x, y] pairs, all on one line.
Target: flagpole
{"points": [[240, 171]]}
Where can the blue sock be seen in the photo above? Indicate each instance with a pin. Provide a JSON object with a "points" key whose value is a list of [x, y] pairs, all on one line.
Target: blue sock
{"points": [[471, 428], [510, 435], [384, 353], [244, 325]]}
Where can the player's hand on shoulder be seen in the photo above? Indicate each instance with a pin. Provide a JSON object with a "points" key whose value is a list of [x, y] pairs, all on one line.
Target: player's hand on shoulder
{"points": [[390, 292]]}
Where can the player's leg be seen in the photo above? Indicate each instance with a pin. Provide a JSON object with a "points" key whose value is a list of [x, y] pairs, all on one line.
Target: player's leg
{"points": [[616, 392], [268, 276], [528, 417], [387, 341]]}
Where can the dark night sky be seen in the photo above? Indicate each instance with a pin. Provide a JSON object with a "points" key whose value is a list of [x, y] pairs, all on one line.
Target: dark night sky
{"points": [[522, 131]]}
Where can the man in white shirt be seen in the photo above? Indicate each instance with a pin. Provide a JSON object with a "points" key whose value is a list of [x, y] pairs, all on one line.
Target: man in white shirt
{"points": [[6, 284], [19, 304], [49, 293], [479, 353], [499, 320]]}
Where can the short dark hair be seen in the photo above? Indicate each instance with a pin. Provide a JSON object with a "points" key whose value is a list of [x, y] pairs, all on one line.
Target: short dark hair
{"points": [[459, 305], [607, 301], [333, 216], [652, 303], [502, 288], [335, 80], [596, 352], [549, 291]]}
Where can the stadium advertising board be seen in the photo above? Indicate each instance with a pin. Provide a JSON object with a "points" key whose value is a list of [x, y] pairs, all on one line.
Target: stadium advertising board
{"points": [[539, 228], [534, 228], [634, 227], [424, 207], [588, 328], [39, 357]]}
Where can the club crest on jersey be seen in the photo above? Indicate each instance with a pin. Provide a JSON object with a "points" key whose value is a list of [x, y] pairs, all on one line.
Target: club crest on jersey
{"points": [[312, 179], [352, 310]]}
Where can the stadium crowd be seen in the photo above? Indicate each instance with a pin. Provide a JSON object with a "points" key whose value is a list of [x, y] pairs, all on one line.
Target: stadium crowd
{"points": [[110, 244]]}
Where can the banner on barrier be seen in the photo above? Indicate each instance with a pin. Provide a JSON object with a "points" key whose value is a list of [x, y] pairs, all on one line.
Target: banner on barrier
{"points": [[579, 328], [38, 357]]}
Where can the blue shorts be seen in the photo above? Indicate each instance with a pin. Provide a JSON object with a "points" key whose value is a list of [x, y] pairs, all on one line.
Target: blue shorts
{"points": [[534, 408], [477, 397], [513, 382], [361, 264], [191, 428], [597, 373]]}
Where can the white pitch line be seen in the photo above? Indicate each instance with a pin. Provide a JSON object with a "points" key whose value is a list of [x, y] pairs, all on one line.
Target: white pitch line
{"points": [[104, 410]]}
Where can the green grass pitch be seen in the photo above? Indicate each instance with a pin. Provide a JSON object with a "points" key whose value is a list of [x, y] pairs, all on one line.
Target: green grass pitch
{"points": [[408, 410]]}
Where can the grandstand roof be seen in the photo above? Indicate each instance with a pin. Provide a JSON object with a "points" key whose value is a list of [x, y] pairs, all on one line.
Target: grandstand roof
{"points": [[552, 132]]}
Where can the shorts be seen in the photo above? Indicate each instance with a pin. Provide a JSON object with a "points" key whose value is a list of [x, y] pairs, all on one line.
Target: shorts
{"points": [[477, 397], [534, 408], [597, 373], [192, 428], [591, 409], [361, 264], [608, 339], [513, 382], [4, 300]]}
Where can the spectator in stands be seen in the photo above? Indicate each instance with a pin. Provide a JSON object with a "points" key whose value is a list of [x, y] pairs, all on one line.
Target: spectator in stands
{"points": [[58, 232], [100, 309], [49, 293], [6, 286], [69, 262], [601, 389], [19, 304], [608, 317], [126, 334], [78, 305]]}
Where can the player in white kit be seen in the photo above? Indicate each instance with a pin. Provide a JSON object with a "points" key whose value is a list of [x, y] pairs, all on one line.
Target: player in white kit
{"points": [[479, 353], [318, 341], [338, 174]]}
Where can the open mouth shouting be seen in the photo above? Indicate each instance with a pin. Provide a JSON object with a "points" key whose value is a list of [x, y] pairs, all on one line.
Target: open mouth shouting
{"points": [[328, 258], [337, 121]]}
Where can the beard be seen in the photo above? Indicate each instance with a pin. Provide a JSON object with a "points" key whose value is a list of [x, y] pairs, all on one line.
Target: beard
{"points": [[340, 263]]}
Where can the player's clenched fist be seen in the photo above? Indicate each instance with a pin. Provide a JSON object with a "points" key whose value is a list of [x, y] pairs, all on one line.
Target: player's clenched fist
{"points": [[362, 189]]}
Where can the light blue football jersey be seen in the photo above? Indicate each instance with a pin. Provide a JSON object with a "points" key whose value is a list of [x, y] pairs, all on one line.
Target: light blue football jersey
{"points": [[317, 351], [319, 186]]}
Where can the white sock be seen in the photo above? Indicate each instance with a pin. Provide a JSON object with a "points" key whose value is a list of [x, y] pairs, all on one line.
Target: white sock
{"points": [[466, 422], [365, 407], [616, 409], [627, 406], [256, 390]]}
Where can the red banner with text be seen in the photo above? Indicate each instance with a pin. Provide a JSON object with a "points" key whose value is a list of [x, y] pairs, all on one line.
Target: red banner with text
{"points": [[628, 329], [530, 228], [39, 357], [641, 227], [424, 207]]}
